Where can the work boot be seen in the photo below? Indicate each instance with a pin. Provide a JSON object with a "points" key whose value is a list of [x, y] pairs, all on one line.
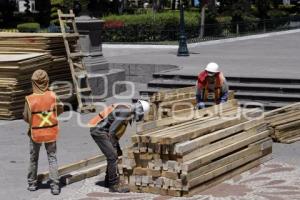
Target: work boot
{"points": [[32, 187], [106, 183], [118, 188], [55, 189]]}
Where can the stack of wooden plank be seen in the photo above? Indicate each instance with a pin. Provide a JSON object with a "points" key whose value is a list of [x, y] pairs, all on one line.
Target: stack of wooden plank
{"points": [[15, 80], [50, 43], [184, 155], [285, 122], [165, 102], [16, 73]]}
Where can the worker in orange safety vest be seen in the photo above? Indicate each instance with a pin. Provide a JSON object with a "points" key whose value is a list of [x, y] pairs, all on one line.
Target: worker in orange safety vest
{"points": [[41, 110], [211, 86], [107, 128]]}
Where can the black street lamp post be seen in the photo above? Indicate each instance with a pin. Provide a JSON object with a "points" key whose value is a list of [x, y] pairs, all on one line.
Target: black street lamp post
{"points": [[182, 49]]}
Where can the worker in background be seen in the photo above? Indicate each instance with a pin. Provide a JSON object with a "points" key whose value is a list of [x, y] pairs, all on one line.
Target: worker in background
{"points": [[41, 111], [211, 86], [107, 128]]}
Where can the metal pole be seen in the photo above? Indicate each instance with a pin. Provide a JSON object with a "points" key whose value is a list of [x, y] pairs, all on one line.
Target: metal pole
{"points": [[182, 49]]}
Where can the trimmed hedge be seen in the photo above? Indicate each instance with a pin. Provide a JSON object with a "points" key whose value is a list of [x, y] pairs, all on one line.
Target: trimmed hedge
{"points": [[29, 27], [148, 27], [159, 27]]}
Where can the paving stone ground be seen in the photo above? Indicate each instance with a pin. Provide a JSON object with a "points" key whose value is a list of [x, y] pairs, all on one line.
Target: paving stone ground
{"points": [[276, 179], [272, 180]]}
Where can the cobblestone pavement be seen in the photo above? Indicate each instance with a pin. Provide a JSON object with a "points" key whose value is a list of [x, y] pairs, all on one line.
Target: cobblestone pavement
{"points": [[273, 180]]}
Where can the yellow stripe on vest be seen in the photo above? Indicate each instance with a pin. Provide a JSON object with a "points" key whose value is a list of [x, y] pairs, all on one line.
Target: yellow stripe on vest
{"points": [[45, 119]]}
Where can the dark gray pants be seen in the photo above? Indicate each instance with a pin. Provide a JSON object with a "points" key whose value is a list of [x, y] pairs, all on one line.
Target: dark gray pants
{"points": [[34, 157], [109, 147]]}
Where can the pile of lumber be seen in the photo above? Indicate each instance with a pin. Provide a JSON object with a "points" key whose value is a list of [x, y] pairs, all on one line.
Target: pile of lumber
{"points": [[185, 155], [165, 102], [15, 80], [285, 123], [16, 70]]}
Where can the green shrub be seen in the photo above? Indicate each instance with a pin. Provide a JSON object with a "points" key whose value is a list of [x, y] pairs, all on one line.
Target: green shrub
{"points": [[290, 9], [149, 27], [273, 14], [29, 27], [246, 25], [224, 19], [278, 18]]}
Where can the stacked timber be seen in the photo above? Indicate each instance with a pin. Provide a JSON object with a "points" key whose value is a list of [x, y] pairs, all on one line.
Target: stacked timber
{"points": [[16, 71], [285, 123], [185, 155], [167, 102], [50, 43], [15, 80]]}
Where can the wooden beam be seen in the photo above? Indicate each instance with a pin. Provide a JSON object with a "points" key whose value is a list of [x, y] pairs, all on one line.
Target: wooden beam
{"points": [[227, 176], [193, 164], [225, 168], [223, 161], [73, 167], [217, 145], [185, 116], [188, 146], [84, 174]]}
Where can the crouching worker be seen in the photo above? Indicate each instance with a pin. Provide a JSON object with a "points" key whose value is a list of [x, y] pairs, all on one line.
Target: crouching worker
{"points": [[40, 112], [211, 86], [107, 128]]}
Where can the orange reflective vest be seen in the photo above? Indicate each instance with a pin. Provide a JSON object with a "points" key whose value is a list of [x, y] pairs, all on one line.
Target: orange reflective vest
{"points": [[44, 123], [104, 114], [203, 84], [101, 116]]}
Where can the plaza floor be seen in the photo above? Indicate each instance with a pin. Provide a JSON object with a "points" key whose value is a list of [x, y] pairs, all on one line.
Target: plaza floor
{"points": [[269, 56]]}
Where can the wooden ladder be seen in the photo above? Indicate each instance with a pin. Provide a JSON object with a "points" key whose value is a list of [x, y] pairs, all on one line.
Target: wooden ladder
{"points": [[78, 70]]}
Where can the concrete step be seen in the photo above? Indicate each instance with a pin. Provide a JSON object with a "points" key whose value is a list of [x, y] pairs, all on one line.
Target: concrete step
{"points": [[170, 83], [105, 85], [162, 75], [271, 92], [274, 87], [268, 87], [270, 96]]}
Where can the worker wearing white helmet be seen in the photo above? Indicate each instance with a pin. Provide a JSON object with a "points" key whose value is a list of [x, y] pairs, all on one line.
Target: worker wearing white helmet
{"points": [[211, 86], [107, 128]]}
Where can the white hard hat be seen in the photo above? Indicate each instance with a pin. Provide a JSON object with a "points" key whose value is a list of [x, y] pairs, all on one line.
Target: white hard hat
{"points": [[145, 105], [212, 67]]}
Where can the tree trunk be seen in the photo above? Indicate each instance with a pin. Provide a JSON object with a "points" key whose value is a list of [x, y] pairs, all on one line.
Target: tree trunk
{"points": [[202, 21], [192, 3], [173, 4]]}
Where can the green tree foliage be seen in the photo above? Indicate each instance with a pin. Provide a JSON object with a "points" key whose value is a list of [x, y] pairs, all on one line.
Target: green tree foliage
{"points": [[7, 9], [263, 7], [240, 9], [225, 6], [44, 8]]}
